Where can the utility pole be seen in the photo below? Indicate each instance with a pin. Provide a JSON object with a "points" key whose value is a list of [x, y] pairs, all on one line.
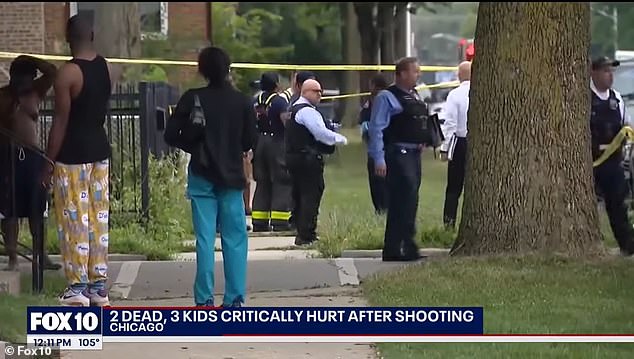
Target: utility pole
{"points": [[408, 31], [615, 23]]}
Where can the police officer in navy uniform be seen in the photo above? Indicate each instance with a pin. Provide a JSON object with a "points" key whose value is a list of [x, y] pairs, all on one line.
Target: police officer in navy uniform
{"points": [[607, 119], [307, 140], [293, 94], [397, 134], [272, 198]]}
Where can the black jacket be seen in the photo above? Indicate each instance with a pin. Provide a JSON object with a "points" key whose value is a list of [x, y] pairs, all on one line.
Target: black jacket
{"points": [[229, 133]]}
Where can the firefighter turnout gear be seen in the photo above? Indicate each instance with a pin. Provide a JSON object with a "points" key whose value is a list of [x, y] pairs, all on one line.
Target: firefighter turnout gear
{"points": [[272, 199]]}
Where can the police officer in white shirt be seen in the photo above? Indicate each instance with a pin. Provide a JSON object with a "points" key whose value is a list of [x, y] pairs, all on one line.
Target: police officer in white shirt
{"points": [[607, 119], [454, 148], [307, 140]]}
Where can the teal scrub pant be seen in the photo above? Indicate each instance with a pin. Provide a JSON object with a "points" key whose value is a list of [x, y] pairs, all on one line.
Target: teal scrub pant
{"points": [[224, 207]]}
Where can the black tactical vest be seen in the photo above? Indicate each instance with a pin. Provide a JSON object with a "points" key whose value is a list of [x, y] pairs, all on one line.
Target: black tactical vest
{"points": [[299, 140], [605, 122], [409, 126]]}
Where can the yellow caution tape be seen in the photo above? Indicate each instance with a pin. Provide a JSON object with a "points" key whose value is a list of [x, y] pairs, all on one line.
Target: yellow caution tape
{"points": [[11, 55], [438, 85], [626, 133]]}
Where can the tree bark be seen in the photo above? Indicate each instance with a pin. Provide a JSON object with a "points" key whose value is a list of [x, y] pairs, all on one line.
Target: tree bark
{"points": [[118, 29], [529, 185], [349, 108], [386, 28], [366, 23], [400, 29], [118, 34]]}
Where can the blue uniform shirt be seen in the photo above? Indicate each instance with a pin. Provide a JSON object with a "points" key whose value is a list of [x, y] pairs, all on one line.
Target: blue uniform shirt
{"points": [[384, 106]]}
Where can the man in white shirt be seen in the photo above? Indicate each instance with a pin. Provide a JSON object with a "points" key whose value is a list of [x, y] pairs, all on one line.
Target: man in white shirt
{"points": [[607, 117], [307, 140], [455, 146]]}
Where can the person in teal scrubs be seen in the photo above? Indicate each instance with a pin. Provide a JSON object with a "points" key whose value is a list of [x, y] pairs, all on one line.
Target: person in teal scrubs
{"points": [[216, 177]]}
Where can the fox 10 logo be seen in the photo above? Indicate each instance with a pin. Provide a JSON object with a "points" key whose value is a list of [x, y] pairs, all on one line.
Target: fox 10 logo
{"points": [[63, 320]]}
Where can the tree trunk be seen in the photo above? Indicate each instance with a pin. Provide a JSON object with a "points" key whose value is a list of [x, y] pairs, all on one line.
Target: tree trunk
{"points": [[118, 29], [118, 33], [529, 168], [385, 25], [400, 31], [366, 23], [351, 54]]}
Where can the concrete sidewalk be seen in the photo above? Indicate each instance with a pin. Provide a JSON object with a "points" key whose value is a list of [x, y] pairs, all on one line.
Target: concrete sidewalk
{"points": [[342, 297]]}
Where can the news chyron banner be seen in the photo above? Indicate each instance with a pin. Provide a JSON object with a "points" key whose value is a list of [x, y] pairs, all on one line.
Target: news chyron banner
{"points": [[87, 328]]}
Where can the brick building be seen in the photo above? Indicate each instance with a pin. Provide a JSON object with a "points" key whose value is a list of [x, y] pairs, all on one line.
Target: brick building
{"points": [[38, 27]]}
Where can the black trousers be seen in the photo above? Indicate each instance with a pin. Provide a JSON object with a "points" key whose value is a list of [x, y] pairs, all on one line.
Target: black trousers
{"points": [[609, 179], [403, 182], [455, 181], [378, 189], [307, 174], [272, 198]]}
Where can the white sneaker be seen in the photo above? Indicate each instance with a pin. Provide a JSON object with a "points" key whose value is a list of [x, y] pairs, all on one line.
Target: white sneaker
{"points": [[98, 298], [71, 298]]}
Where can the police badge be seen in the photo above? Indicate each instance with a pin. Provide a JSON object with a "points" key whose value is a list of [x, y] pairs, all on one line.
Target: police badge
{"points": [[614, 104]]}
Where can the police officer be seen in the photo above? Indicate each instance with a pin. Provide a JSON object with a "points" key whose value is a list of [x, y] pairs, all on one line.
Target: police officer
{"points": [[607, 119], [307, 139], [378, 187], [396, 138], [272, 198], [293, 94]]}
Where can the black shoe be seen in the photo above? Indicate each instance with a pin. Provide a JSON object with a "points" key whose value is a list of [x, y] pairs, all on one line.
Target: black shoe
{"points": [[299, 241], [237, 303], [281, 228], [209, 303], [261, 228], [402, 258]]}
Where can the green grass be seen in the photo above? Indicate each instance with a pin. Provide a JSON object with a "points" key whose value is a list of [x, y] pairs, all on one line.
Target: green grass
{"points": [[347, 219], [528, 296], [13, 308]]}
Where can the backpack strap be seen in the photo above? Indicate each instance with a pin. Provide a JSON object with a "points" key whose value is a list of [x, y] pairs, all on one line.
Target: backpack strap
{"points": [[287, 94], [268, 100]]}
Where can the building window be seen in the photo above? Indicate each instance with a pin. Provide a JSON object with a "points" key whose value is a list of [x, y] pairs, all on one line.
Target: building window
{"points": [[153, 16]]}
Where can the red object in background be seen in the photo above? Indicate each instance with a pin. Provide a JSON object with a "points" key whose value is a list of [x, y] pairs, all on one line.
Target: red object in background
{"points": [[462, 42], [470, 53]]}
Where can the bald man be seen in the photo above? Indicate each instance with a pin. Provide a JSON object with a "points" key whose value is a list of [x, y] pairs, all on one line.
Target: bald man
{"points": [[307, 140], [455, 147]]}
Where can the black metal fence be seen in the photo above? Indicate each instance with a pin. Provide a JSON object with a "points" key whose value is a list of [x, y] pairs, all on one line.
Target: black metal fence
{"points": [[134, 125]]}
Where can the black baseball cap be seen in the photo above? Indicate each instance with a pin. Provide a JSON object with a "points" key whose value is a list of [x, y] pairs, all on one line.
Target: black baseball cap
{"points": [[303, 76], [604, 61], [268, 81]]}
